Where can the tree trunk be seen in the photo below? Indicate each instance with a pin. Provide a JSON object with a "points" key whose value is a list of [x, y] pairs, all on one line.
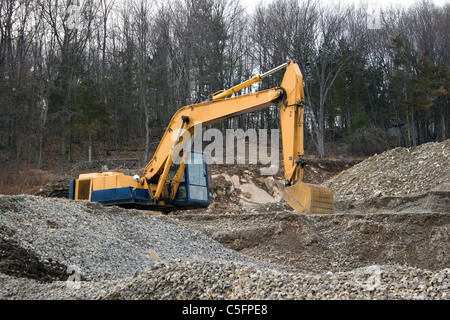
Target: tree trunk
{"points": [[408, 126], [90, 150], [147, 131], [320, 143], [443, 129], [43, 120], [413, 129]]}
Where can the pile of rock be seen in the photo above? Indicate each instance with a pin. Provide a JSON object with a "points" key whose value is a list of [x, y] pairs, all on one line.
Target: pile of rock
{"points": [[113, 253], [397, 172], [181, 279], [210, 280], [104, 242]]}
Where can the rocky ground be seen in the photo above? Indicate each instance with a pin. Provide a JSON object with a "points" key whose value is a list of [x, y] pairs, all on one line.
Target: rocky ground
{"points": [[389, 239]]}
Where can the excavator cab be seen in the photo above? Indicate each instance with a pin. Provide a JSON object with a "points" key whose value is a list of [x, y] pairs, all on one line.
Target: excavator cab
{"points": [[193, 190]]}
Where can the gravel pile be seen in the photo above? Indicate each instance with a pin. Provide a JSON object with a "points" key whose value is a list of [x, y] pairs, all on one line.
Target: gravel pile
{"points": [[113, 253], [211, 280], [181, 279], [396, 172], [103, 242]]}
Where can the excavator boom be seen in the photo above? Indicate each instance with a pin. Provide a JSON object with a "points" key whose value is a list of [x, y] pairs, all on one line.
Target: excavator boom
{"points": [[162, 185]]}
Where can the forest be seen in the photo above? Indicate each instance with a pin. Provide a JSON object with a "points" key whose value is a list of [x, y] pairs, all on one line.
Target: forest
{"points": [[77, 75]]}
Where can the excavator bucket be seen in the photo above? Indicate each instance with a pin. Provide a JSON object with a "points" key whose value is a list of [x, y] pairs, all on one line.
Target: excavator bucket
{"points": [[309, 198]]}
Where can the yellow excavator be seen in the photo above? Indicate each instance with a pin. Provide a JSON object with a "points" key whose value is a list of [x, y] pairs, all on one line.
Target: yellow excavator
{"points": [[177, 178]]}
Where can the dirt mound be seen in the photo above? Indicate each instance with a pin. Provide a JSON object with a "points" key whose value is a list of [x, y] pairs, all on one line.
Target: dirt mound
{"points": [[338, 242], [397, 172]]}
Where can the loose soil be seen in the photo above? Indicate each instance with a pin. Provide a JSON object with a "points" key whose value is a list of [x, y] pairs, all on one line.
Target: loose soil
{"points": [[383, 220]]}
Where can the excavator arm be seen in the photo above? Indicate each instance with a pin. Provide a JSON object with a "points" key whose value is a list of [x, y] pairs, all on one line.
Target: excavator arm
{"points": [[305, 198]]}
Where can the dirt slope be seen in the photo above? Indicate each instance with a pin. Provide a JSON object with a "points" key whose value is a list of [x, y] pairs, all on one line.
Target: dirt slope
{"points": [[338, 242]]}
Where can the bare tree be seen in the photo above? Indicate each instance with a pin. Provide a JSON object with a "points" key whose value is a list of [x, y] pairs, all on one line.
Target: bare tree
{"points": [[330, 57], [141, 12]]}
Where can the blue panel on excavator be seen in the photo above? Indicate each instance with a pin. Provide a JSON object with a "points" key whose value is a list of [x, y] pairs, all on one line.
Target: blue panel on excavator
{"points": [[72, 190], [120, 196]]}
